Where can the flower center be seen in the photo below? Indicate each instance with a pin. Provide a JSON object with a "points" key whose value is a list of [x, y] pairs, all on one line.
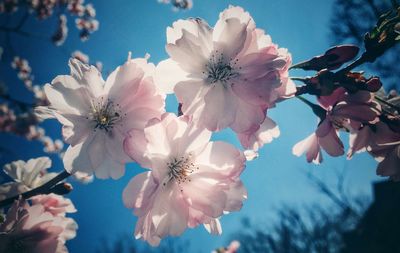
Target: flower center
{"points": [[180, 168], [105, 114], [218, 69]]}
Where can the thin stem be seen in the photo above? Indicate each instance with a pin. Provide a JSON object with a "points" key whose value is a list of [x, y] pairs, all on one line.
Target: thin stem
{"points": [[43, 189], [296, 78], [318, 110]]}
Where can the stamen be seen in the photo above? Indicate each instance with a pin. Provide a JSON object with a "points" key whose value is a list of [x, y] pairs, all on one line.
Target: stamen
{"points": [[105, 114], [180, 169], [218, 69]]}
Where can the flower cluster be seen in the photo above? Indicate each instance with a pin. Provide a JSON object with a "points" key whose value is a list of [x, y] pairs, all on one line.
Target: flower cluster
{"points": [[61, 33], [350, 102], [86, 20], [19, 118], [226, 76], [9, 6], [41, 227]]}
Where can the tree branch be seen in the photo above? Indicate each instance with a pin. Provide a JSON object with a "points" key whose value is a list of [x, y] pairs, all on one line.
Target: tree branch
{"points": [[43, 189]]}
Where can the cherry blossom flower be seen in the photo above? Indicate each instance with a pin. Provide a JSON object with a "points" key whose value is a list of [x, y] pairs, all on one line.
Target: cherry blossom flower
{"points": [[191, 181], [226, 76], [79, 55], [383, 144], [343, 111], [59, 206], [61, 33], [26, 176], [32, 228], [97, 114], [253, 140]]}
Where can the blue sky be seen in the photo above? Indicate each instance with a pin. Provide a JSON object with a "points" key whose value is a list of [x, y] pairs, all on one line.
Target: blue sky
{"points": [[275, 178]]}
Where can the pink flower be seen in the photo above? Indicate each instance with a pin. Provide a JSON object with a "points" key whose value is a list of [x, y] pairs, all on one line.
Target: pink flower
{"points": [[383, 144], [325, 137], [26, 175], [191, 180], [226, 76], [31, 229], [343, 111], [254, 140], [59, 206], [97, 114]]}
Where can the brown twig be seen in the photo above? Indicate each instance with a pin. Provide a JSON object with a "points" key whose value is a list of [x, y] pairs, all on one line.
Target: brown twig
{"points": [[43, 189]]}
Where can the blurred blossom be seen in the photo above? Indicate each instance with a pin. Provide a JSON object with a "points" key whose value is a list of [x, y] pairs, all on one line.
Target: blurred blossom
{"points": [[58, 206], [9, 6], [84, 58], [232, 248], [96, 115], [87, 22], [23, 69], [30, 228], [192, 181], [83, 178], [42, 8], [26, 176], [76, 7], [61, 33], [179, 4]]}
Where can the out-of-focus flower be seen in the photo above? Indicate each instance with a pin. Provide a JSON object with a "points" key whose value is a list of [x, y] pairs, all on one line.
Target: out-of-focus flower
{"points": [[383, 144], [83, 178], [42, 8], [226, 76], [87, 23], [61, 33], [97, 114], [24, 70], [76, 7], [232, 248], [79, 55], [33, 229], [179, 4], [9, 6], [191, 181], [59, 206], [26, 176], [332, 59]]}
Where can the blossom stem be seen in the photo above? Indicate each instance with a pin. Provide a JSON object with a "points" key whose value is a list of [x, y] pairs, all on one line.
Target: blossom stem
{"points": [[301, 79], [318, 110], [43, 189]]}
